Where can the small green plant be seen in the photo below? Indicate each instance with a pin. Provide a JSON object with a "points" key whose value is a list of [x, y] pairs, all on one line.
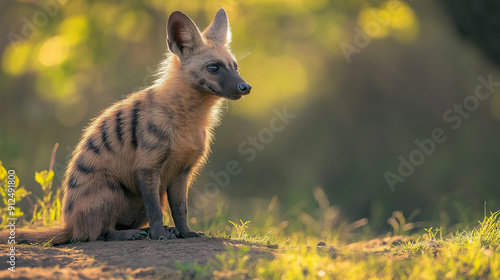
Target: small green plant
{"points": [[487, 234], [424, 242], [411, 246], [47, 209], [10, 198], [432, 234], [489, 231], [239, 231]]}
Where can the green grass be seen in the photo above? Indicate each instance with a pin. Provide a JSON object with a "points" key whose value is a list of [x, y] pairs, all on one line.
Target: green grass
{"points": [[468, 254]]}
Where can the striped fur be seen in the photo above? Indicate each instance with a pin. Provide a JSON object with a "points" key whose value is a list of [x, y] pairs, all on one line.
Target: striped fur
{"points": [[143, 152]]}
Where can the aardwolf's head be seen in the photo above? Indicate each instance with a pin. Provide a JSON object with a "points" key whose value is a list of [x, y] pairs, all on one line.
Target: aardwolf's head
{"points": [[205, 60]]}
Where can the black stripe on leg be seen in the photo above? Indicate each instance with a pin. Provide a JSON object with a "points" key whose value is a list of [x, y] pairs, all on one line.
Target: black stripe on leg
{"points": [[91, 146], [80, 166], [104, 136], [134, 123], [119, 124]]}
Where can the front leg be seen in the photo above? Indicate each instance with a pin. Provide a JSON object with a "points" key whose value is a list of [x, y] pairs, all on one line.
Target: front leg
{"points": [[177, 199], [149, 185]]}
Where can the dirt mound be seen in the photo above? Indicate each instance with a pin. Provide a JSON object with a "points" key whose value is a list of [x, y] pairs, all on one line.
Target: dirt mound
{"points": [[146, 259]]}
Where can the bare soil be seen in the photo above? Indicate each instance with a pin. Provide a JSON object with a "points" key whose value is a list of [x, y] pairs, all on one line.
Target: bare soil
{"points": [[142, 259]]}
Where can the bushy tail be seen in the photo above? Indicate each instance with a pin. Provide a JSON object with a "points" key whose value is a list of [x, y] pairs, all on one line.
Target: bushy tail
{"points": [[41, 236]]}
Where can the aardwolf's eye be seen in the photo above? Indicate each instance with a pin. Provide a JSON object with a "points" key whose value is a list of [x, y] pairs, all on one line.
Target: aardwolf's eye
{"points": [[213, 68]]}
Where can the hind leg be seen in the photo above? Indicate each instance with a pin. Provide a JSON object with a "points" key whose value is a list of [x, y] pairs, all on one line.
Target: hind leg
{"points": [[94, 215], [87, 224]]}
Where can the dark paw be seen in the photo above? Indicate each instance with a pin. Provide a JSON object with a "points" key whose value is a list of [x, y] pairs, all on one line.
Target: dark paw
{"points": [[165, 233], [172, 232], [165, 238], [136, 235], [191, 234]]}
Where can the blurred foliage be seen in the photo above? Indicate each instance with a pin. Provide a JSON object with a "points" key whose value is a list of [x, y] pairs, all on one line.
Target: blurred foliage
{"points": [[10, 198], [62, 62], [46, 211]]}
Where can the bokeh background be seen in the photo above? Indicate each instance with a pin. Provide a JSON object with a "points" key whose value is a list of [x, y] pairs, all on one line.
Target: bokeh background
{"points": [[365, 79]]}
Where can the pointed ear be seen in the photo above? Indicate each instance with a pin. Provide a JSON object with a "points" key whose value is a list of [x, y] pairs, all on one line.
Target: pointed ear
{"points": [[183, 37], [219, 31]]}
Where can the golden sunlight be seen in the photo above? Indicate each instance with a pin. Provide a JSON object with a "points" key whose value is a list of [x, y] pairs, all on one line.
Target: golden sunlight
{"points": [[54, 51]]}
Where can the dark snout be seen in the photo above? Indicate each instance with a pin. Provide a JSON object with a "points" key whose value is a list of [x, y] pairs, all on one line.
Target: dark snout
{"points": [[232, 86], [244, 88]]}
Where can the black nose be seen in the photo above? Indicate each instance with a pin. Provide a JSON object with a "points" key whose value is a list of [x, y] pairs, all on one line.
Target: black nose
{"points": [[244, 88]]}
